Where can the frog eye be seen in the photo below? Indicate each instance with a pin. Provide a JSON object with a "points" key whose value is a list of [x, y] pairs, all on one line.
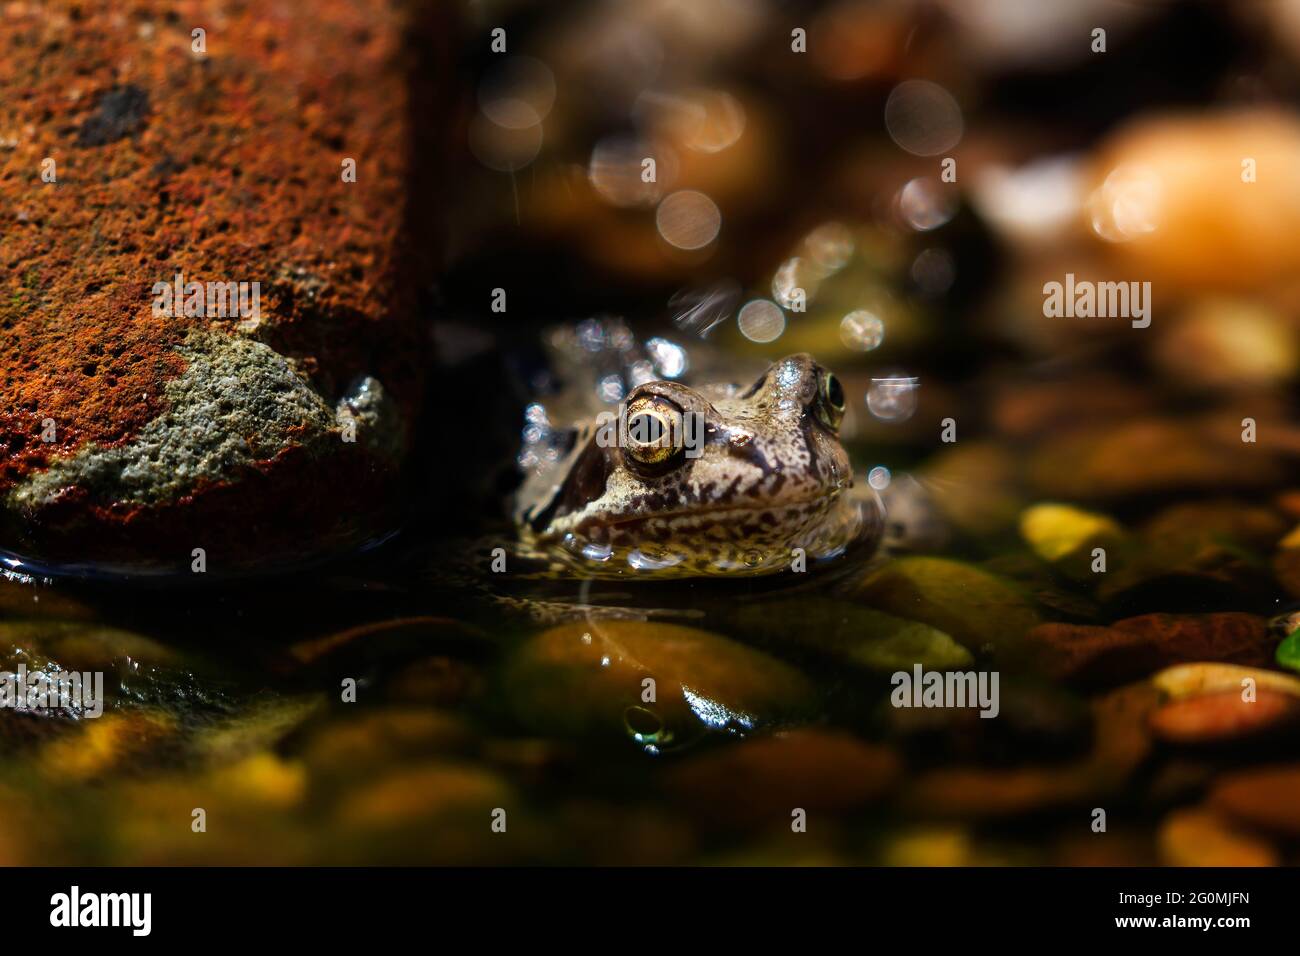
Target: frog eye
{"points": [[830, 402], [654, 431]]}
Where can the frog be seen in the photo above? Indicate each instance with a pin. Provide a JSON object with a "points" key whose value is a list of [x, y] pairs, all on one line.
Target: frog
{"points": [[714, 481]]}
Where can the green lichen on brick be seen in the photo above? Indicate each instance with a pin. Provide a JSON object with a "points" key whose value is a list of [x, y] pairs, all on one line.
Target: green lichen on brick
{"points": [[237, 402]]}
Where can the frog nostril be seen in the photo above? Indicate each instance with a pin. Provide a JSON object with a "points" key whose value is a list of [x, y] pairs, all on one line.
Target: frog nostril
{"points": [[747, 451]]}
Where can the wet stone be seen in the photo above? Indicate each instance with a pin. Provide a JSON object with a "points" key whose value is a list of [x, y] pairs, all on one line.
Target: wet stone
{"points": [[952, 845], [1264, 797], [759, 782], [1225, 717], [1137, 646], [1286, 563], [1035, 723], [1066, 536], [977, 608], [1288, 652], [254, 797], [846, 633], [1284, 624], [978, 793], [1123, 846], [440, 681], [1121, 743], [382, 641], [382, 738], [257, 724], [1190, 524], [1148, 456], [110, 744], [1187, 680], [591, 677], [600, 834], [81, 646], [27, 599], [1209, 548], [118, 669], [1203, 242], [1048, 590], [421, 791], [1201, 837], [532, 761], [1230, 637], [929, 846], [1288, 502], [432, 811]]}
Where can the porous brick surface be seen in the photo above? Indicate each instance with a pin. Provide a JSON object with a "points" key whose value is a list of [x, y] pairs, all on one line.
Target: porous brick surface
{"points": [[171, 432]]}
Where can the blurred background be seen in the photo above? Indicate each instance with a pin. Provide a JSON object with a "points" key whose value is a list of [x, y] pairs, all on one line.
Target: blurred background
{"points": [[890, 185], [917, 172]]}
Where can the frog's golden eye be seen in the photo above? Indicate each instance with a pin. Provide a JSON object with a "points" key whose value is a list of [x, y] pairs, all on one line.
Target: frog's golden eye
{"points": [[829, 406], [654, 432]]}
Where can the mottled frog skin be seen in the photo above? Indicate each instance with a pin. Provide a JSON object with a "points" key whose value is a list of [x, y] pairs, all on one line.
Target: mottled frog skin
{"points": [[767, 490]]}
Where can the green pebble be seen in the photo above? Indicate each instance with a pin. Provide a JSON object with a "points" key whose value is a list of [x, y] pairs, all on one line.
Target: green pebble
{"points": [[1288, 652]]}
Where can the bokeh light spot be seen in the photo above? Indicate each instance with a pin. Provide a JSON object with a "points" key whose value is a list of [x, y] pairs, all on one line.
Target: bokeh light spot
{"points": [[761, 321], [688, 220], [923, 118]]}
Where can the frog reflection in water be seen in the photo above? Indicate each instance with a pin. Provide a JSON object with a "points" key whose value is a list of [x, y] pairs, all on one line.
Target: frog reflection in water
{"points": [[768, 483]]}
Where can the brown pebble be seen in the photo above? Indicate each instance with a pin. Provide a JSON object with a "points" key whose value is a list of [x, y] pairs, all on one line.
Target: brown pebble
{"points": [[974, 792], [384, 639], [422, 792], [1264, 797], [589, 677], [1200, 837], [1201, 241], [1288, 502], [1137, 646], [1191, 680], [441, 680], [1148, 456], [1224, 716], [1121, 744], [1286, 567], [765, 778]]}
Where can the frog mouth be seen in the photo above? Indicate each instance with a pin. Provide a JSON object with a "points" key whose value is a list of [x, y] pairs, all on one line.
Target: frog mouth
{"points": [[721, 512]]}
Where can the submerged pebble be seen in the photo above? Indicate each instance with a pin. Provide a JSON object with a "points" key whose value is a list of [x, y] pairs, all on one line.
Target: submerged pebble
{"points": [[1066, 536], [1210, 704], [1264, 797], [1201, 837], [1137, 646], [1150, 456], [679, 682], [1226, 716], [977, 608], [847, 633], [1121, 742], [761, 781], [1186, 680]]}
